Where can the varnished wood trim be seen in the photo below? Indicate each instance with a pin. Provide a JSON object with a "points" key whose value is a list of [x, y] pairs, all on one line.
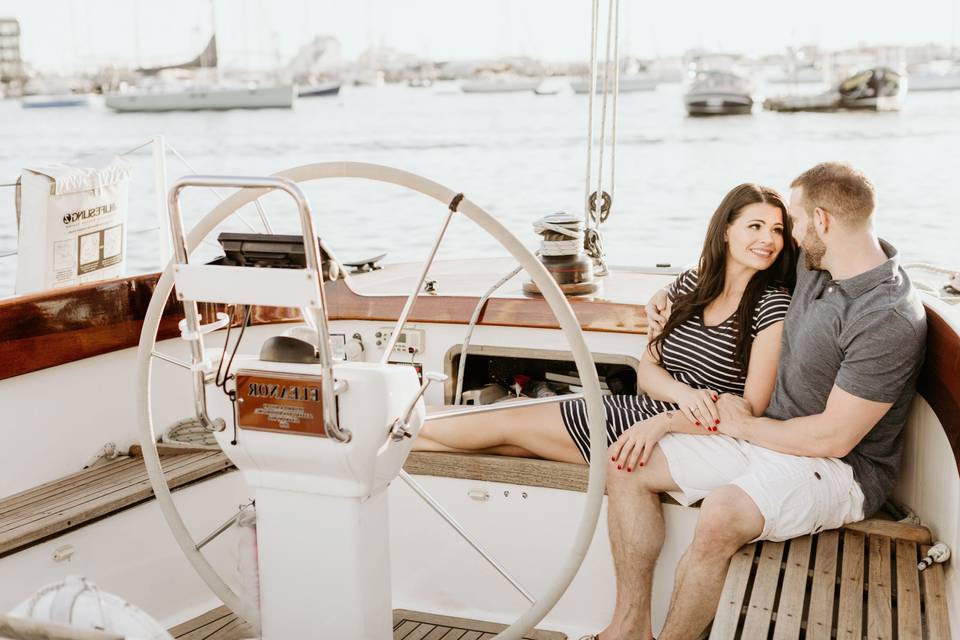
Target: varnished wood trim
{"points": [[66, 325], [56, 327], [534, 313], [939, 381]]}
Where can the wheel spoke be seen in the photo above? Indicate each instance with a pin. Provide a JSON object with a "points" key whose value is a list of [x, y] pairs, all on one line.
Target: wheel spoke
{"points": [[408, 305], [170, 359], [443, 513], [210, 537]]}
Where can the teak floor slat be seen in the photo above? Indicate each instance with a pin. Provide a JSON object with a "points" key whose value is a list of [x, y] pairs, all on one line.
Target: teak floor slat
{"points": [[223, 624], [92, 494], [879, 594]]}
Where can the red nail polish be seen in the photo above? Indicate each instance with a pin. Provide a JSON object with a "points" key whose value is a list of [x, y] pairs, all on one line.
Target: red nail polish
{"points": [[629, 469], [697, 423], [619, 467], [613, 458], [714, 398], [716, 422], [641, 463], [715, 429]]}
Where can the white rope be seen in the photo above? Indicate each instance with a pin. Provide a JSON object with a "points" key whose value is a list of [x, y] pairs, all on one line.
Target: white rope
{"points": [[215, 191], [591, 90], [616, 95], [603, 111], [563, 225], [926, 266]]}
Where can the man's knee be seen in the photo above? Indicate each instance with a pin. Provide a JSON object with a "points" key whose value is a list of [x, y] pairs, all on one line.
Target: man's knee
{"points": [[654, 477], [728, 520]]}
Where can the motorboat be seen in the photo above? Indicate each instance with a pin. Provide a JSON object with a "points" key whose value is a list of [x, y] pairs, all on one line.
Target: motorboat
{"points": [[55, 101], [500, 83], [319, 90], [874, 89], [715, 92], [937, 75]]}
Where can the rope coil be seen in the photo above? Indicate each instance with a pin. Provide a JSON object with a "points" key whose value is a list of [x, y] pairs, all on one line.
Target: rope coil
{"points": [[562, 234]]}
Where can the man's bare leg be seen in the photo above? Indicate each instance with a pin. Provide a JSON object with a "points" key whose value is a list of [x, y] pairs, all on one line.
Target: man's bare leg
{"points": [[635, 523], [728, 520], [537, 429]]}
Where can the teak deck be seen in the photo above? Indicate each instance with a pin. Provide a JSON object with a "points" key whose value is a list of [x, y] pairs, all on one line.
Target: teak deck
{"points": [[222, 624], [80, 498]]}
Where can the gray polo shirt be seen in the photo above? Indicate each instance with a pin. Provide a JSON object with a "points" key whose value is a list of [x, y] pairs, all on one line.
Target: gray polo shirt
{"points": [[866, 335]]}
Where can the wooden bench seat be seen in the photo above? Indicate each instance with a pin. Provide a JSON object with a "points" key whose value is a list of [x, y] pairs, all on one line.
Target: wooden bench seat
{"points": [[75, 500], [855, 582]]}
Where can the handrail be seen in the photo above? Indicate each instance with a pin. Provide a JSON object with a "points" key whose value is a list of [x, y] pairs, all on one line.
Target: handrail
{"points": [[313, 261]]}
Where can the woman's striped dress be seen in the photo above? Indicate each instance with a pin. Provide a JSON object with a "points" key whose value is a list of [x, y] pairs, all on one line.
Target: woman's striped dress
{"points": [[700, 356]]}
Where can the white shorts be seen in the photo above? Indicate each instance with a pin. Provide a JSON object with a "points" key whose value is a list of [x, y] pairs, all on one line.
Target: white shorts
{"points": [[796, 495]]}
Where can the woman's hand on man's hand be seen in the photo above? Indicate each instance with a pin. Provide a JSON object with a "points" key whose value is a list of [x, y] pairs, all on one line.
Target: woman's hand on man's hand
{"points": [[699, 406], [634, 446]]}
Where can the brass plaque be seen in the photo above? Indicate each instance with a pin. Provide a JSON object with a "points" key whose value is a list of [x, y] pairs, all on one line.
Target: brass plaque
{"points": [[280, 402]]}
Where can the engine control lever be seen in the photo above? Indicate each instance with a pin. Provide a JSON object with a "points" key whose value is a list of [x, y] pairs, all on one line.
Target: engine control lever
{"points": [[398, 430]]}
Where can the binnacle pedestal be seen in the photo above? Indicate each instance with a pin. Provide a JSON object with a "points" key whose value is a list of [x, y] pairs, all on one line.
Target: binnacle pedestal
{"points": [[322, 520]]}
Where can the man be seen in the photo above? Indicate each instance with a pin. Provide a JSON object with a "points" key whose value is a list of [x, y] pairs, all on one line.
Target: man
{"points": [[827, 450]]}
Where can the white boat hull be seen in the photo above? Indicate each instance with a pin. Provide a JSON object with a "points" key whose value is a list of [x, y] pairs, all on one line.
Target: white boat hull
{"points": [[500, 86], [948, 82], [213, 99], [627, 84]]}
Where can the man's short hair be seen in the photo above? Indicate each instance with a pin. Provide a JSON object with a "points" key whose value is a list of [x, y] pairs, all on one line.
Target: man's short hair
{"points": [[839, 189]]}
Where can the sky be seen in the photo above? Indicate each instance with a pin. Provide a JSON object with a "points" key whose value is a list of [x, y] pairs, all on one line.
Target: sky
{"points": [[70, 35]]}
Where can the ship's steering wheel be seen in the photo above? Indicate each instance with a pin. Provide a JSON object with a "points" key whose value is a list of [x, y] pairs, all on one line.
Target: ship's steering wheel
{"points": [[551, 293]]}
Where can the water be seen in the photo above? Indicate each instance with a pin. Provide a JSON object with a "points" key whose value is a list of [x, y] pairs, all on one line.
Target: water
{"points": [[520, 156]]}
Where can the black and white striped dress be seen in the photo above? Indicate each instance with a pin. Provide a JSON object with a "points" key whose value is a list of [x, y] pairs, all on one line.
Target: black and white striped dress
{"points": [[700, 356]]}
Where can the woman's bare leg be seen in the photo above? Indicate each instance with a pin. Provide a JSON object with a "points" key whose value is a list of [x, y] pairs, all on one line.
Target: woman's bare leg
{"points": [[537, 428], [424, 443]]}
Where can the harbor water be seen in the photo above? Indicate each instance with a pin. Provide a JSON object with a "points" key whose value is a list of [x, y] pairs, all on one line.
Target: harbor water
{"points": [[521, 156]]}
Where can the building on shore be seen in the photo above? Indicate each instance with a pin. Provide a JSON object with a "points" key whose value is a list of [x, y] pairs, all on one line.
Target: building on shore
{"points": [[11, 65]]}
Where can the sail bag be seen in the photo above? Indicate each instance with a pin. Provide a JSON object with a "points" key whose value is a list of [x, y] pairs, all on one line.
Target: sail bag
{"points": [[71, 224]]}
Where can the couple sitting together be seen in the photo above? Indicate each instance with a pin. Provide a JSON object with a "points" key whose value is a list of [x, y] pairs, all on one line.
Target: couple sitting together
{"points": [[776, 385]]}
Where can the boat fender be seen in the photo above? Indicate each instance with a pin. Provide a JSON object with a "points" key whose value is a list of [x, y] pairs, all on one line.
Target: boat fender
{"points": [[938, 553], [248, 567]]}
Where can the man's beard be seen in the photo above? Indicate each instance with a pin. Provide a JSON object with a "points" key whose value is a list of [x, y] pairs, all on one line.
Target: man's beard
{"points": [[813, 249]]}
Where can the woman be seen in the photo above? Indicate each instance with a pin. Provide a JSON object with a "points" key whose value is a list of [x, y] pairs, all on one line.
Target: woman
{"points": [[722, 336]]}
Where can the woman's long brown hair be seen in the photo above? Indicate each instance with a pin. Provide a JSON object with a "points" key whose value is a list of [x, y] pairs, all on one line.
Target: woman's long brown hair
{"points": [[711, 272]]}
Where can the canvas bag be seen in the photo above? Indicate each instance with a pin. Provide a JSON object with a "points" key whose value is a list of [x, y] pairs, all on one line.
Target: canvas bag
{"points": [[71, 224]]}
